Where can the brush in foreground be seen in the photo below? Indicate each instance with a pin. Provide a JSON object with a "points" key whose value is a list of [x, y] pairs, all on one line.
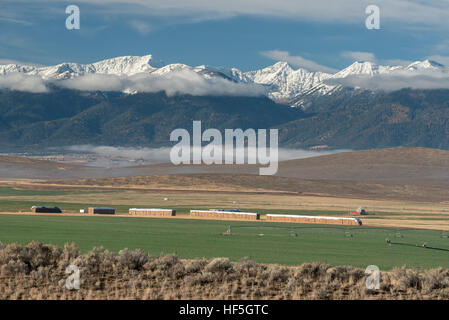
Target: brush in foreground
{"points": [[38, 271]]}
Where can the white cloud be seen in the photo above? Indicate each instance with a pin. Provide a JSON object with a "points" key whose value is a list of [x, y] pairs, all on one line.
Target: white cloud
{"points": [[141, 26], [359, 56], [399, 80], [162, 155], [416, 14], [18, 21], [296, 61], [150, 155], [291, 154], [182, 82], [94, 82], [22, 82], [405, 12]]}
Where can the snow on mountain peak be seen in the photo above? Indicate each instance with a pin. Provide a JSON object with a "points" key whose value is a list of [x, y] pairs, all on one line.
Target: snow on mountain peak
{"points": [[423, 65], [281, 80], [285, 82], [120, 66], [278, 68], [128, 65], [371, 69], [174, 67], [280, 65], [364, 68]]}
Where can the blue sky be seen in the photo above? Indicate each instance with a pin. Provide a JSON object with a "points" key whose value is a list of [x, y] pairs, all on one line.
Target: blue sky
{"points": [[248, 34]]}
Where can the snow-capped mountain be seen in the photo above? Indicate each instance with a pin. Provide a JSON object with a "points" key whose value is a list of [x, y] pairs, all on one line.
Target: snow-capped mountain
{"points": [[282, 82], [356, 69], [120, 66], [364, 68], [425, 65], [368, 69]]}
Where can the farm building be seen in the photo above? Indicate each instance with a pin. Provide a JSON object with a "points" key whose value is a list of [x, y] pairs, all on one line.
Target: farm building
{"points": [[313, 219], [101, 210], [219, 214], [359, 212], [152, 212], [43, 209]]}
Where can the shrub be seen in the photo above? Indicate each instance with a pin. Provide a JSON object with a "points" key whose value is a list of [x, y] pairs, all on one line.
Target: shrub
{"points": [[407, 278], [200, 279], [36, 271], [312, 270], [435, 279], [247, 267], [10, 253], [69, 254], [97, 260], [41, 274], [14, 268], [195, 266], [36, 254], [219, 265], [134, 260], [279, 274], [165, 262]]}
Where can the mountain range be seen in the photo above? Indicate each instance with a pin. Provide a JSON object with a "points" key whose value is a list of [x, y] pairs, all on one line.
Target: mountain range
{"points": [[115, 107], [280, 82]]}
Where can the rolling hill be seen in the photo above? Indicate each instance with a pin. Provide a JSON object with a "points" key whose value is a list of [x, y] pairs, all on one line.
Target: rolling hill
{"points": [[397, 165], [397, 173]]}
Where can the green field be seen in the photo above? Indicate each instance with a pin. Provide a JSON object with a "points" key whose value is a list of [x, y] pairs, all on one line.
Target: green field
{"points": [[281, 243]]}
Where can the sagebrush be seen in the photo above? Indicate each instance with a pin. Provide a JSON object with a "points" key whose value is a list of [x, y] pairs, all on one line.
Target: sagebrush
{"points": [[37, 271]]}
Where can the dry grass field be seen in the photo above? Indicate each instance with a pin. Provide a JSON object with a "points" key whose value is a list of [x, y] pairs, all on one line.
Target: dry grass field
{"points": [[187, 193]]}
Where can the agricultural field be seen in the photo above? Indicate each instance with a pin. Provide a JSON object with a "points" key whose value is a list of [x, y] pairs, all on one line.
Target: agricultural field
{"points": [[275, 243], [397, 232], [382, 213]]}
